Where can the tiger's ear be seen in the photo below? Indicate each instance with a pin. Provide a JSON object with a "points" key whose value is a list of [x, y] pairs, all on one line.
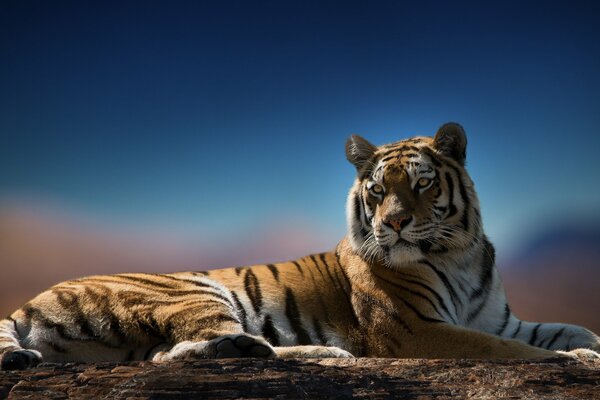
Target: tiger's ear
{"points": [[451, 141], [359, 151]]}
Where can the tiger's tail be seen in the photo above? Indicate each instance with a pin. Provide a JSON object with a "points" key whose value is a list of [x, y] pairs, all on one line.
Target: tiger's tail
{"points": [[12, 354]]}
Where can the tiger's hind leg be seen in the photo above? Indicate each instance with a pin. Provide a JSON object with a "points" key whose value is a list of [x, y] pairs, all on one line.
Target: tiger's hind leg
{"points": [[12, 355], [227, 346]]}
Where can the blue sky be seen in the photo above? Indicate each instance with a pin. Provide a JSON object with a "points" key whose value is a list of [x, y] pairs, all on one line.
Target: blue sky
{"points": [[215, 117]]}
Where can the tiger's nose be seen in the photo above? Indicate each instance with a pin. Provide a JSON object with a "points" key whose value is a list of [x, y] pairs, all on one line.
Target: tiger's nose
{"points": [[398, 222]]}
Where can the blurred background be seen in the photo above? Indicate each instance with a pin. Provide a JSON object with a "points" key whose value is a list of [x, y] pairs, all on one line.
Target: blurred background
{"points": [[169, 136]]}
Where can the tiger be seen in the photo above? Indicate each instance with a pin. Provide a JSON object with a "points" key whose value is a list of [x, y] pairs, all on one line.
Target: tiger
{"points": [[414, 277]]}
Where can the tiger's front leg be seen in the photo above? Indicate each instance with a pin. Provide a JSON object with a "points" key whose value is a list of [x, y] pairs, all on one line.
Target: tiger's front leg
{"points": [[449, 341], [551, 336]]}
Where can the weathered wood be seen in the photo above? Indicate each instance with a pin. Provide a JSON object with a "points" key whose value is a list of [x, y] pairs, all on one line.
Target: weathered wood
{"points": [[326, 378]]}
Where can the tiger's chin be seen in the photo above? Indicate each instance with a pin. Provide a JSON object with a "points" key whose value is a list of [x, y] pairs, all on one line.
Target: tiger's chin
{"points": [[402, 254]]}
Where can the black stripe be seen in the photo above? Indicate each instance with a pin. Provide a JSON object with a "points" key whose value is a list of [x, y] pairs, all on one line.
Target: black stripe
{"points": [[274, 271], [466, 203], [413, 292], [202, 284], [130, 299], [103, 281], [433, 292], [505, 322], [474, 313], [461, 286], [424, 246], [293, 315], [554, 338], [348, 285], [70, 302], [417, 312], [35, 313], [100, 300], [358, 213], [169, 290], [241, 310], [269, 332], [388, 158], [319, 331], [410, 155], [487, 268], [334, 280], [253, 290], [370, 301], [446, 282], [238, 270], [298, 267], [145, 281], [387, 155], [451, 206], [314, 260], [172, 278], [533, 337], [200, 331], [151, 328], [514, 335], [217, 317], [440, 209]]}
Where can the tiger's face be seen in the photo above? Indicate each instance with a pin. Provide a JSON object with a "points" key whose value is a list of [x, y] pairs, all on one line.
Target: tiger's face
{"points": [[411, 198]]}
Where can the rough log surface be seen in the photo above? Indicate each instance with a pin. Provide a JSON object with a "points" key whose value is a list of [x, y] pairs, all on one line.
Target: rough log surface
{"points": [[310, 379]]}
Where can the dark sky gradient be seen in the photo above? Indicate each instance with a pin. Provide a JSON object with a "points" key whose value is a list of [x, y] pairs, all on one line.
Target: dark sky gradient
{"points": [[219, 116]]}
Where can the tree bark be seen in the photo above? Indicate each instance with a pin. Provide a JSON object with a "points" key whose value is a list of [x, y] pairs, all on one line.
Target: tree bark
{"points": [[326, 378]]}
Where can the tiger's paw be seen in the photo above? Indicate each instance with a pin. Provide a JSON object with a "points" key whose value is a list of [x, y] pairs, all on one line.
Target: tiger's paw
{"points": [[581, 338], [241, 345], [312, 352], [581, 354], [226, 346], [20, 359]]}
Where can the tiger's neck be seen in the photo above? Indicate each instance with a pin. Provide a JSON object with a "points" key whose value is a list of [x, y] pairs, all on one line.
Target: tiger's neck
{"points": [[454, 277], [466, 259]]}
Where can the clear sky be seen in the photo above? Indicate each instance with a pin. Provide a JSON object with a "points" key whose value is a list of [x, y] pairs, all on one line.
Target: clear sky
{"points": [[216, 117]]}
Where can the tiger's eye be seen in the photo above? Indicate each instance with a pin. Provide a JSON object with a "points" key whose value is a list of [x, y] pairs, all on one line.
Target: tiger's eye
{"points": [[423, 182], [377, 189]]}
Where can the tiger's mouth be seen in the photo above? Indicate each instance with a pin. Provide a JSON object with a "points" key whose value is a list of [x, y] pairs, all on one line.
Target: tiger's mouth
{"points": [[402, 252], [399, 244]]}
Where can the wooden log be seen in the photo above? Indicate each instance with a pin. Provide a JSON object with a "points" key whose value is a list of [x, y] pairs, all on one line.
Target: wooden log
{"points": [[308, 379]]}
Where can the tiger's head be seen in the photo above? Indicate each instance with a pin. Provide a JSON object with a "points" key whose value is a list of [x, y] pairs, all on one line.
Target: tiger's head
{"points": [[412, 199]]}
